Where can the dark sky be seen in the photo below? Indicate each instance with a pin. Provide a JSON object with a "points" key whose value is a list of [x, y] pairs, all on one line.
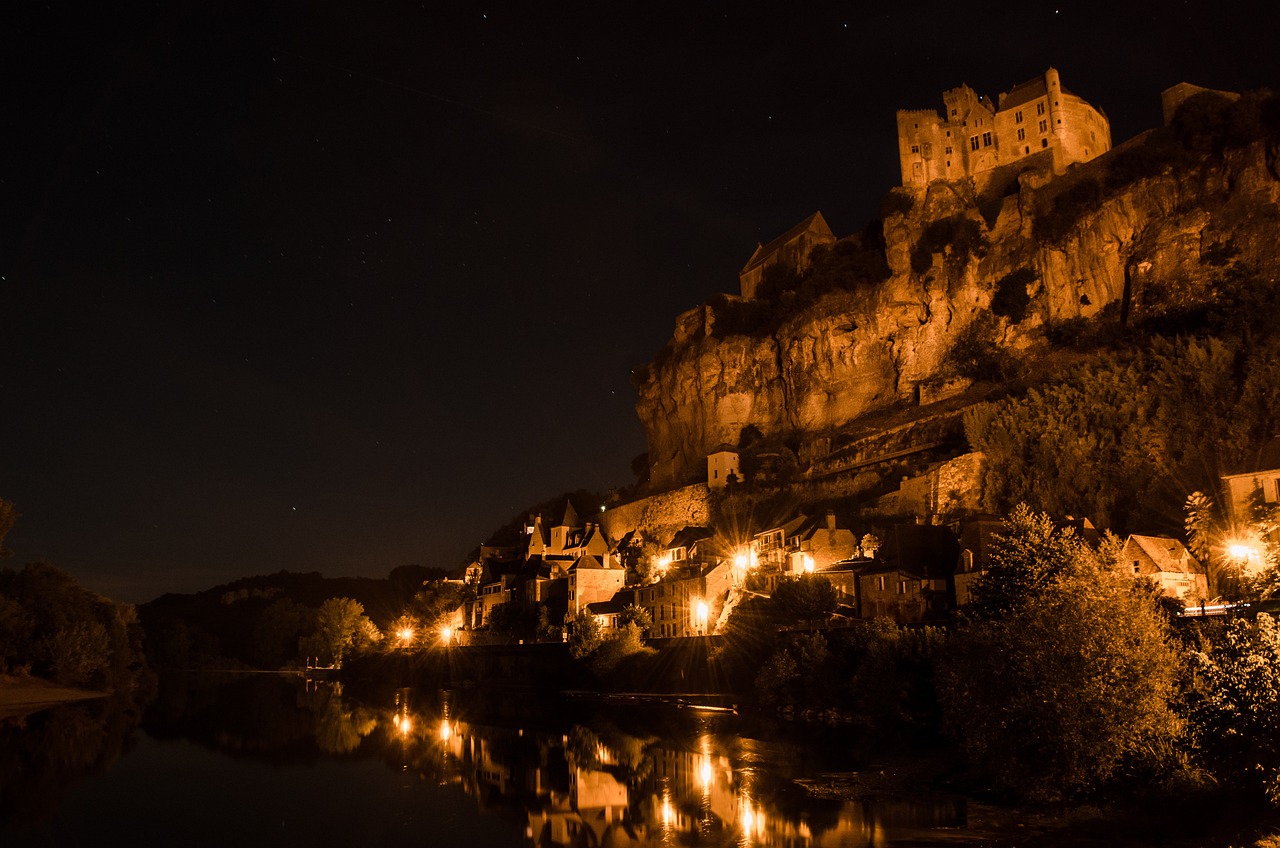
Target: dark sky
{"points": [[343, 286]]}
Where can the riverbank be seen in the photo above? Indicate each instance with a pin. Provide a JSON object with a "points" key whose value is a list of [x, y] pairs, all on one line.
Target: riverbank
{"points": [[21, 696]]}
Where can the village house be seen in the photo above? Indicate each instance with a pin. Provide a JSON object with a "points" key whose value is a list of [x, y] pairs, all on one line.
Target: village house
{"points": [[608, 613], [688, 600], [1167, 563], [818, 544], [975, 136], [592, 580], [1257, 480], [909, 580], [723, 463]]}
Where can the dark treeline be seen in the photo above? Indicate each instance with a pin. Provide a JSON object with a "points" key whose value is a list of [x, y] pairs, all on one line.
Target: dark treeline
{"points": [[278, 620]]}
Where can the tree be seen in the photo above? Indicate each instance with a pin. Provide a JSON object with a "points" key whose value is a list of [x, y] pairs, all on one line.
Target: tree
{"points": [[637, 615], [809, 597], [342, 629], [1023, 561], [1237, 706], [869, 545], [584, 635], [1075, 682]]}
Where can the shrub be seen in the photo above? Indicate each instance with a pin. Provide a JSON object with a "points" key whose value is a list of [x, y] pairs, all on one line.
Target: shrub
{"points": [[897, 202], [1011, 299]]}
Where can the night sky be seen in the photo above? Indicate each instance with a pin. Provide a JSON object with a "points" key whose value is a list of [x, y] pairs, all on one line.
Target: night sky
{"points": [[337, 287]]}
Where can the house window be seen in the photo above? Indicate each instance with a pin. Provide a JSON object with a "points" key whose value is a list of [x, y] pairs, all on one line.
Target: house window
{"points": [[1039, 108], [973, 143], [902, 587], [1022, 134], [986, 139], [1135, 566], [1017, 117], [880, 582]]}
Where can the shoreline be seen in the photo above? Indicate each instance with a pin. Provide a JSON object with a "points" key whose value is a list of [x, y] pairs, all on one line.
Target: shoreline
{"points": [[21, 696]]}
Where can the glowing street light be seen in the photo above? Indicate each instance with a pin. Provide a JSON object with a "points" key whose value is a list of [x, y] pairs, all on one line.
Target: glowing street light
{"points": [[446, 635], [700, 613], [406, 636]]}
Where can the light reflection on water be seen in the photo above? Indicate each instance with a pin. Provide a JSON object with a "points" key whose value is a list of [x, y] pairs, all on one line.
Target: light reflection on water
{"points": [[437, 766]]}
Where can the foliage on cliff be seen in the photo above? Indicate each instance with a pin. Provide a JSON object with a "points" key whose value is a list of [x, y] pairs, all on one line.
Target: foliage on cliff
{"points": [[1124, 438]]}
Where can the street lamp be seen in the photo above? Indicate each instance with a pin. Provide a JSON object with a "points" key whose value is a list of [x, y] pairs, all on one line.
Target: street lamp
{"points": [[446, 634], [406, 636], [700, 615]]}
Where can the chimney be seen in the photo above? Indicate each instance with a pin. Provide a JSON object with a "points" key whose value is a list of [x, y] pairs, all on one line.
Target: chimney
{"points": [[831, 520]]}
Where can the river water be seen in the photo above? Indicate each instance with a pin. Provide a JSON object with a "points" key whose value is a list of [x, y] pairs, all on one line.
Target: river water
{"points": [[273, 760]]}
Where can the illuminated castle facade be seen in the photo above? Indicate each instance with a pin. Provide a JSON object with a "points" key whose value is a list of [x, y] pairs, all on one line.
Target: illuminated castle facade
{"points": [[975, 137]]}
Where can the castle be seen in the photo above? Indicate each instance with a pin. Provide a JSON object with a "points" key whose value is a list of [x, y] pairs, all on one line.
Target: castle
{"points": [[976, 138]]}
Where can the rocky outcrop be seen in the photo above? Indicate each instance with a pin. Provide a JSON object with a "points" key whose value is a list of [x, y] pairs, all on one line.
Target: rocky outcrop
{"points": [[1159, 239]]}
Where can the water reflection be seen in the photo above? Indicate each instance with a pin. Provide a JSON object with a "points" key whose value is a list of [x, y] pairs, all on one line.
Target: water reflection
{"points": [[560, 775], [598, 785]]}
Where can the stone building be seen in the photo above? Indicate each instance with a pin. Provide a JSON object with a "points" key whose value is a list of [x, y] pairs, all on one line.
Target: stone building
{"points": [[1257, 478], [1167, 563], [592, 580], [976, 136], [789, 251]]}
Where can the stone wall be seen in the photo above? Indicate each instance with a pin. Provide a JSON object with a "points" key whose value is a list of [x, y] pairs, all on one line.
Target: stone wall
{"points": [[662, 515]]}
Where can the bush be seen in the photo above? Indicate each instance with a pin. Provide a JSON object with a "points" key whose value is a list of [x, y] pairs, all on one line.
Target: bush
{"points": [[897, 202], [1237, 702], [975, 354], [960, 233], [1011, 299]]}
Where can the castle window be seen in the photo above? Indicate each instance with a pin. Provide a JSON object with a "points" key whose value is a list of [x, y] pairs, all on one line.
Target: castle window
{"points": [[915, 148], [1044, 142], [1017, 117], [973, 143], [1044, 126], [1026, 149], [1022, 134], [948, 163], [948, 151], [986, 139], [1039, 108], [953, 113]]}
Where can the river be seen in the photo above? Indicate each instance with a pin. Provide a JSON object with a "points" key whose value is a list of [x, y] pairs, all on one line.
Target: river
{"points": [[275, 760]]}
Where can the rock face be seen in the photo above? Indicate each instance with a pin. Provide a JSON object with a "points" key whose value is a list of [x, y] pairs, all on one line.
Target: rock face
{"points": [[1134, 248]]}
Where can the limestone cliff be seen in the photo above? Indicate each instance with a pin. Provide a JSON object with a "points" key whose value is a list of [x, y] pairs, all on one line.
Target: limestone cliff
{"points": [[1101, 240]]}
